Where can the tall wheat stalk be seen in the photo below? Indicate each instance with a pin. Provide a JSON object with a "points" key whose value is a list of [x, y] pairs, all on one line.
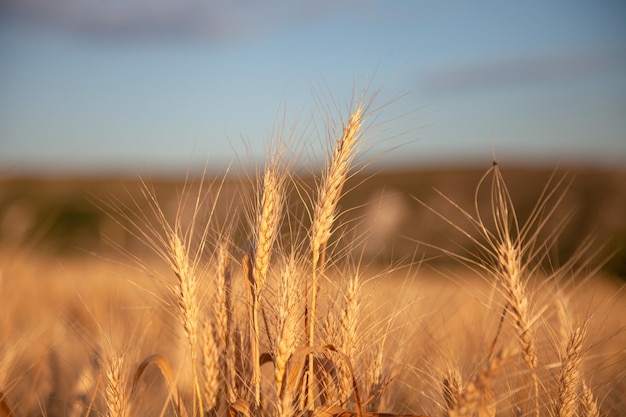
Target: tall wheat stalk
{"points": [[181, 244], [324, 216], [513, 255], [257, 262], [189, 307]]}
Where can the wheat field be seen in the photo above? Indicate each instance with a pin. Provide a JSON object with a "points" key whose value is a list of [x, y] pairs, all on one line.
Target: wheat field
{"points": [[263, 302]]}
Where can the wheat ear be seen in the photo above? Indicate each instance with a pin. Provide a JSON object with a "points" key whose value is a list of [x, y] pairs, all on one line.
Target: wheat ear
{"points": [[115, 390], [210, 365], [286, 321], [324, 215], [452, 388], [222, 311], [266, 230], [569, 380], [510, 269], [477, 392], [189, 307], [348, 331]]}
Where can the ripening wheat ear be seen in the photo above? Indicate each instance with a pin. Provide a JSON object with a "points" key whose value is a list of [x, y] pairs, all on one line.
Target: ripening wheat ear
{"points": [[452, 388], [324, 214], [287, 316], [513, 255], [223, 313], [181, 244], [210, 360], [348, 334], [256, 262], [116, 386], [477, 395], [569, 380], [189, 307], [510, 270]]}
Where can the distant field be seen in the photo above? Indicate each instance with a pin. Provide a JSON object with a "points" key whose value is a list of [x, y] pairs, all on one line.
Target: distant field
{"points": [[68, 216]]}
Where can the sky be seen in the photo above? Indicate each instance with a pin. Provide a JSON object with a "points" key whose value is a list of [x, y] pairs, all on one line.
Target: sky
{"points": [[92, 87]]}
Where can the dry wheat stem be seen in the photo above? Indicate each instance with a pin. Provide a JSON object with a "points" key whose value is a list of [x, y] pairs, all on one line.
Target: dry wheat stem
{"points": [[324, 215]]}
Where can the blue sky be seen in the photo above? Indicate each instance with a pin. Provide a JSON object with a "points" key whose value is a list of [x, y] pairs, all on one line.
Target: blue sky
{"points": [[145, 85]]}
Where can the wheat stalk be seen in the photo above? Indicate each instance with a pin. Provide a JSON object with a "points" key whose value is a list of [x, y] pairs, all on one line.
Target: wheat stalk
{"points": [[324, 215], [189, 306], [510, 269], [266, 231]]}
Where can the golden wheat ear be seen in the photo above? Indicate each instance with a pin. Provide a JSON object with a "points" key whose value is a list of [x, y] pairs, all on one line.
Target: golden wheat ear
{"points": [[324, 215], [115, 386], [266, 229], [477, 396], [569, 380]]}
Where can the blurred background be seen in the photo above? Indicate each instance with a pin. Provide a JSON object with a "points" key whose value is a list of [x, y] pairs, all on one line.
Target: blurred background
{"points": [[96, 92]]}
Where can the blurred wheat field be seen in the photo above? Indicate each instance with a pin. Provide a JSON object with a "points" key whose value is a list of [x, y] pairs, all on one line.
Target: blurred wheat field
{"points": [[281, 304]]}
